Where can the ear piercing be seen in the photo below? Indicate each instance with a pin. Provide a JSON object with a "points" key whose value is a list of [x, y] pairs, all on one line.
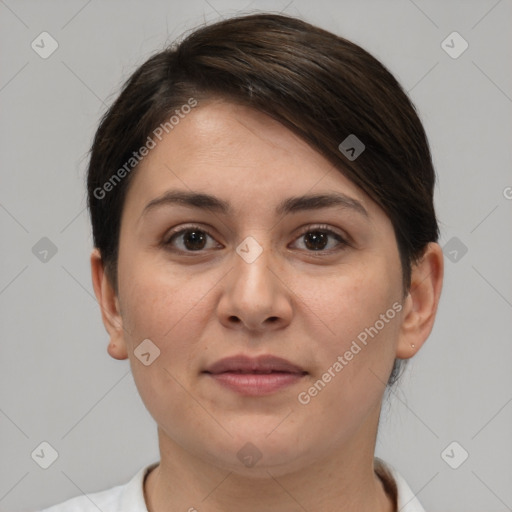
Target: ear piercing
{"points": [[412, 346]]}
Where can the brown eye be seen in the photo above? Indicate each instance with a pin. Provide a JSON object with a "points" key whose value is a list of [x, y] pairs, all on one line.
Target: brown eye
{"points": [[316, 239], [191, 239], [194, 240]]}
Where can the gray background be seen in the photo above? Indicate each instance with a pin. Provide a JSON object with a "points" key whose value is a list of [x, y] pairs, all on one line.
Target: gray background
{"points": [[57, 382]]}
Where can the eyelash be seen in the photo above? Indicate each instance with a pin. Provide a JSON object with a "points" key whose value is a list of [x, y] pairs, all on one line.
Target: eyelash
{"points": [[309, 229]]}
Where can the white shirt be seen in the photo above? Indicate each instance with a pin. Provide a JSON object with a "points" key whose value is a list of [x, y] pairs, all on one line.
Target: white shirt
{"points": [[129, 497]]}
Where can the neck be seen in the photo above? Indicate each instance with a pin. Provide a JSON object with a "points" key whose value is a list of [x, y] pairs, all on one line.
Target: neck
{"points": [[343, 481]]}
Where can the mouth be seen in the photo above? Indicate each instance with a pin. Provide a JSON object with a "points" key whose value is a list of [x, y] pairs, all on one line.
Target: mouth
{"points": [[255, 376]]}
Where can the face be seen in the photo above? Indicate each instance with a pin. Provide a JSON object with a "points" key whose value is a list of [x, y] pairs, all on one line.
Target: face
{"points": [[319, 287]]}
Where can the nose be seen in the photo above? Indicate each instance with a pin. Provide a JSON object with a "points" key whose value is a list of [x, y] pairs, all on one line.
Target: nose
{"points": [[255, 295]]}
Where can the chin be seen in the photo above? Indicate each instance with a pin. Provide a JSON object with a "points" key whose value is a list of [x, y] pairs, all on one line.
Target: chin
{"points": [[256, 452]]}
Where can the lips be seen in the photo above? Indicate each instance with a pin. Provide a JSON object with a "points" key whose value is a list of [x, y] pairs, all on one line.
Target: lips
{"points": [[255, 377], [264, 364]]}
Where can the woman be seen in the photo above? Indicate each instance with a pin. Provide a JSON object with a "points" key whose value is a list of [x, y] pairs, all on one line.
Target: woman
{"points": [[266, 256]]}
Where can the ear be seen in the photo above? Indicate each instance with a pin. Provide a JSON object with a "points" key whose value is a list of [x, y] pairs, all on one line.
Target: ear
{"points": [[420, 305], [109, 304]]}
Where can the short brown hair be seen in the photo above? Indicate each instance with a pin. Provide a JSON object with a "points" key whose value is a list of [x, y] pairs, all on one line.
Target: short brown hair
{"points": [[319, 85]]}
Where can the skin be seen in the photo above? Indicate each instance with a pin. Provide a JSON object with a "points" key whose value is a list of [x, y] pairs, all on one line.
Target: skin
{"points": [[303, 305]]}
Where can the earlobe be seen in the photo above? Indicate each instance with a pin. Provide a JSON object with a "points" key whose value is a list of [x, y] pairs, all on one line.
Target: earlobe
{"points": [[420, 305], [109, 305]]}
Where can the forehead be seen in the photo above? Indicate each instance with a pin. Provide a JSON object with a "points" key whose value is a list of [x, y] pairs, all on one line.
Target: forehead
{"points": [[238, 154]]}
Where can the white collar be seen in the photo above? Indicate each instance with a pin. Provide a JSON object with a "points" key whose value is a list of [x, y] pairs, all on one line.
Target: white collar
{"points": [[132, 497]]}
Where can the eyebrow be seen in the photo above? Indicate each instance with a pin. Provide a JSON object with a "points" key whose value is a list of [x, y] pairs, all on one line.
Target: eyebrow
{"points": [[290, 205]]}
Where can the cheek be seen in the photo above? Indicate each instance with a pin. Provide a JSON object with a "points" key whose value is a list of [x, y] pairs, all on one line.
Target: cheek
{"points": [[355, 314], [347, 303], [170, 307], [166, 309], [156, 297], [349, 375]]}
